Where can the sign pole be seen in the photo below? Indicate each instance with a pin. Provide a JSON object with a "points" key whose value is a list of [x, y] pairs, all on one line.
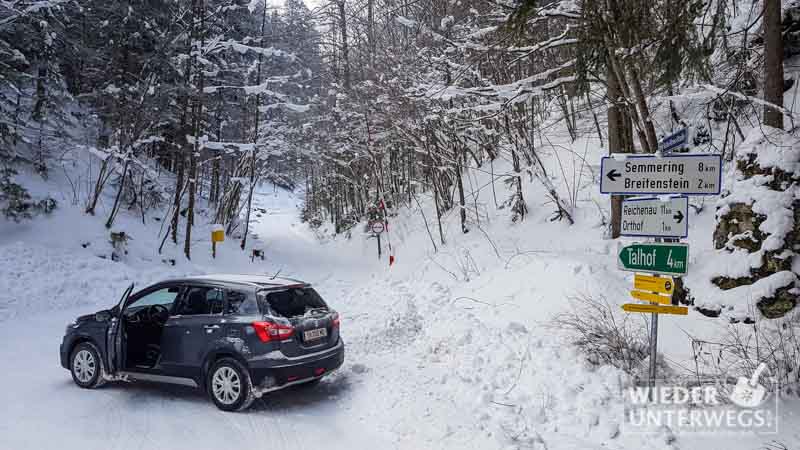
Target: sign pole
{"points": [[654, 338], [653, 353], [377, 229], [653, 347]]}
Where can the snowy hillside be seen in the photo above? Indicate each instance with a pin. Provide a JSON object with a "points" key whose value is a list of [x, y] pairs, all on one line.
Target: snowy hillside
{"points": [[449, 349]]}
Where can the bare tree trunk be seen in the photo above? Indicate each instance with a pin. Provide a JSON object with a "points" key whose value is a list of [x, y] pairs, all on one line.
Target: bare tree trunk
{"points": [[198, 124], [176, 202], [435, 193], [102, 178], [624, 90], [619, 141], [371, 33], [250, 197], [647, 121], [461, 203], [110, 221], [17, 113], [214, 194], [180, 158], [773, 63], [255, 133], [192, 186], [345, 48]]}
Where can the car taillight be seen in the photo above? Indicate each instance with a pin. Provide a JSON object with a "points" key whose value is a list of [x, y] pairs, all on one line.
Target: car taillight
{"points": [[268, 331], [336, 320]]}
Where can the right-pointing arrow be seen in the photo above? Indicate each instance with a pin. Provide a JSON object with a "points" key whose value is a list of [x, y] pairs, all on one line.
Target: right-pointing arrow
{"points": [[678, 217]]}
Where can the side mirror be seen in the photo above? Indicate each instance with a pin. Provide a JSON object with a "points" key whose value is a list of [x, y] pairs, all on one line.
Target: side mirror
{"points": [[103, 316]]}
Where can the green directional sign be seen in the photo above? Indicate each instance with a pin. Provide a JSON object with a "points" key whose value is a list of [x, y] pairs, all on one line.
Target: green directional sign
{"points": [[666, 259]]}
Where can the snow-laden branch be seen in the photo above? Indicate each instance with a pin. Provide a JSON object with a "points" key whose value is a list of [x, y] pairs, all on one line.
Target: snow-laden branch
{"points": [[215, 46], [568, 9], [228, 147], [756, 100], [521, 96], [31, 8], [507, 91], [261, 89], [290, 106], [556, 41]]}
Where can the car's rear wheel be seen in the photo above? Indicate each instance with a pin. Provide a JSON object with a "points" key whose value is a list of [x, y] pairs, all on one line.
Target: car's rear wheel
{"points": [[86, 366], [229, 385]]}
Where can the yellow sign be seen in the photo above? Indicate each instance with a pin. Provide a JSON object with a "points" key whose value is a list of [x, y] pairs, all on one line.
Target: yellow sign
{"points": [[649, 283], [650, 297], [218, 236], [658, 309]]}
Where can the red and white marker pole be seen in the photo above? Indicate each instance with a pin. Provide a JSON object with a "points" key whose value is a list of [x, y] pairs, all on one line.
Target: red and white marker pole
{"points": [[388, 235]]}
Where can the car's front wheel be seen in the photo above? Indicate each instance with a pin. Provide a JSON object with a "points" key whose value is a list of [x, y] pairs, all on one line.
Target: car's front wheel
{"points": [[86, 366], [229, 385]]}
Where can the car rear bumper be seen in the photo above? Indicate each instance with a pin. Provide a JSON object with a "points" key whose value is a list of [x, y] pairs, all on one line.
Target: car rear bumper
{"points": [[277, 373]]}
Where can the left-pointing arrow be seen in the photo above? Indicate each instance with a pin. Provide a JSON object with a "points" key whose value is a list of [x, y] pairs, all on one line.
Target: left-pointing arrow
{"points": [[613, 175]]}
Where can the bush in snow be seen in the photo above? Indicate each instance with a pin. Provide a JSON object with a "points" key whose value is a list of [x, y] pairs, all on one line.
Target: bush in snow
{"points": [[739, 351], [15, 201], [605, 337]]}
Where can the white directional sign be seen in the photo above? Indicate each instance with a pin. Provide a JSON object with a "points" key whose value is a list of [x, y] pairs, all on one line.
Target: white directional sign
{"points": [[649, 174], [655, 217]]}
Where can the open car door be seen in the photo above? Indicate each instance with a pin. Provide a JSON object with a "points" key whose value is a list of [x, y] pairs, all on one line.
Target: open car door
{"points": [[114, 338]]}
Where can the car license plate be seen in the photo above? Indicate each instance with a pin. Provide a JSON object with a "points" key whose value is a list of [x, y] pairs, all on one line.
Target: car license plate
{"points": [[317, 333]]}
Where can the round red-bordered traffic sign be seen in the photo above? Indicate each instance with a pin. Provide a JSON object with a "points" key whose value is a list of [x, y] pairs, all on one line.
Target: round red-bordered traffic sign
{"points": [[377, 227]]}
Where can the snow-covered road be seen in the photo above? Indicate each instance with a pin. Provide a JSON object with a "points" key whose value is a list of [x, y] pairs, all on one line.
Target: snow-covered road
{"points": [[42, 408]]}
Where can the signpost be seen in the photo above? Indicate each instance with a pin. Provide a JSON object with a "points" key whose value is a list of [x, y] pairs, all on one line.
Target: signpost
{"points": [[652, 217], [673, 175], [676, 141], [666, 259], [377, 227], [651, 297], [648, 174], [656, 309], [647, 283], [217, 235]]}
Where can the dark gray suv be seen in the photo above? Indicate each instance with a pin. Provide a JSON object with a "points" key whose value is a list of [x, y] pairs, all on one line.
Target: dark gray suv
{"points": [[236, 336]]}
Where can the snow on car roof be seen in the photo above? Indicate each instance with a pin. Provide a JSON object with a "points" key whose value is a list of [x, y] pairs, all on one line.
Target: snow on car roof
{"points": [[261, 280]]}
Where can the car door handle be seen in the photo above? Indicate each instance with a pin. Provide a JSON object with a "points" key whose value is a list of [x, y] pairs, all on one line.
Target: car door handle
{"points": [[211, 328]]}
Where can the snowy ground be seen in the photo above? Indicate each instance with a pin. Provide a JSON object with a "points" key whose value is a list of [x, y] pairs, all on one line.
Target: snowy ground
{"points": [[452, 349]]}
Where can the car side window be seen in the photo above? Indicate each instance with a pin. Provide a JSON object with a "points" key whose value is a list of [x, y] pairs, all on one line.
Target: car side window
{"points": [[216, 301], [239, 302], [164, 297], [201, 300]]}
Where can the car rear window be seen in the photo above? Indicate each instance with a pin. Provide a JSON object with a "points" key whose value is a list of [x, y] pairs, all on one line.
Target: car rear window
{"points": [[291, 302]]}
